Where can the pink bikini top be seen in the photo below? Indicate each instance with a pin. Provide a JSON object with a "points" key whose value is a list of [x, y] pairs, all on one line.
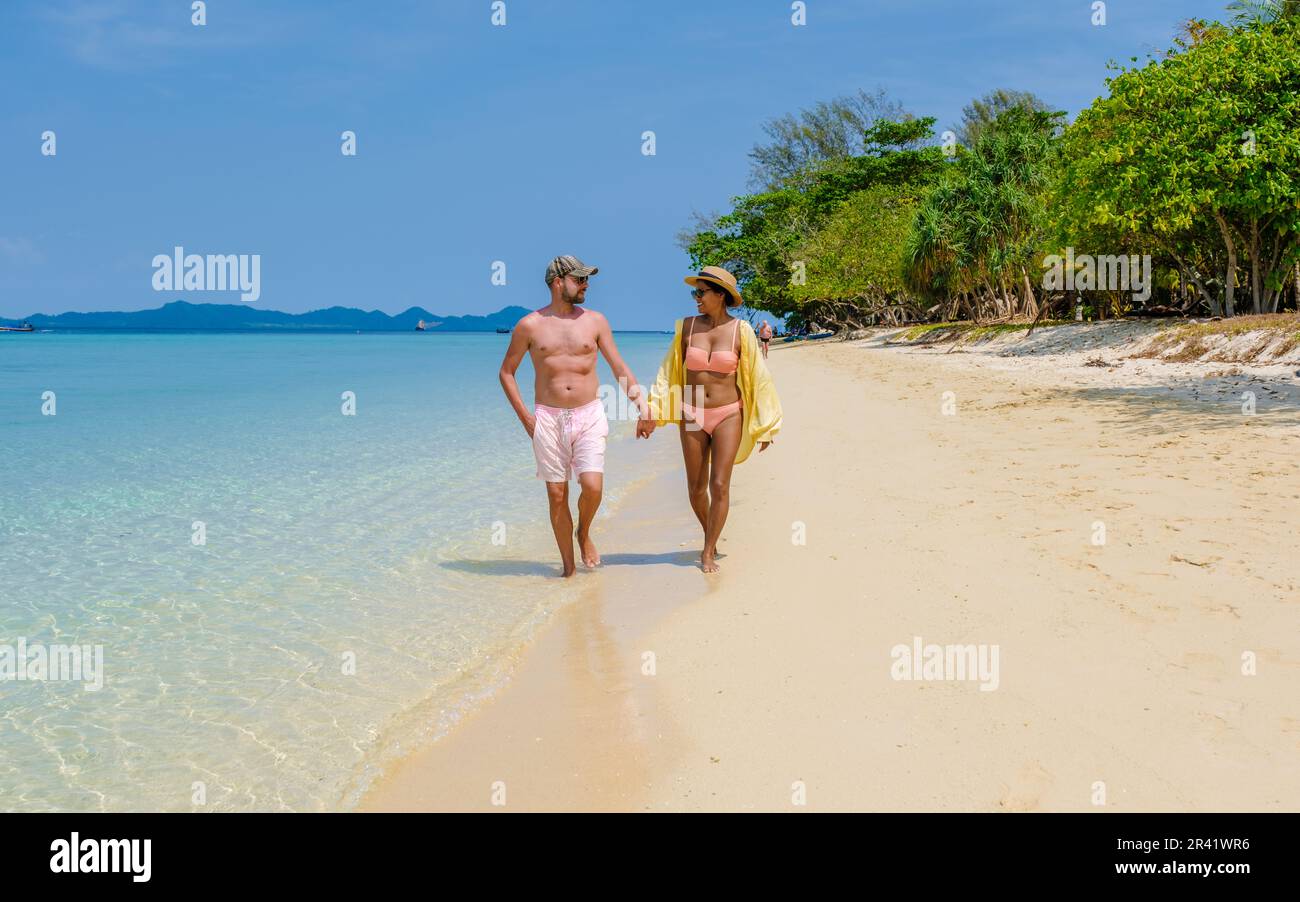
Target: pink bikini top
{"points": [[698, 359]]}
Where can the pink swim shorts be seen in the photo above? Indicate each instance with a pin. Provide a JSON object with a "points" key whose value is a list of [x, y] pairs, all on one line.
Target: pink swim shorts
{"points": [[569, 439]]}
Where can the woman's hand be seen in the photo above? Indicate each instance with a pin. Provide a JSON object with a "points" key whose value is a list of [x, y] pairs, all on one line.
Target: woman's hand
{"points": [[644, 428], [762, 446]]}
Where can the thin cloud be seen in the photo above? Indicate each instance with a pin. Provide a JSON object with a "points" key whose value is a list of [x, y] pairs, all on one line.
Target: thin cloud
{"points": [[109, 34], [20, 250]]}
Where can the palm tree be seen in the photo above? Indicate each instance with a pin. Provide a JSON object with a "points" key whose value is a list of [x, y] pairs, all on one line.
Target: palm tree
{"points": [[1246, 12]]}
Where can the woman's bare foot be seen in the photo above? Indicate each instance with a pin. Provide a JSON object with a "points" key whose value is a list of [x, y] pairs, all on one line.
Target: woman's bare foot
{"points": [[590, 556], [707, 563]]}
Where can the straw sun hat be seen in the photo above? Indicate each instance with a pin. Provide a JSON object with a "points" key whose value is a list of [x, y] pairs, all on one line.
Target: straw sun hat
{"points": [[720, 278]]}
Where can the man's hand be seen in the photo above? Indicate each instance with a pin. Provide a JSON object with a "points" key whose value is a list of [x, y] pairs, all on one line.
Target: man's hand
{"points": [[644, 428], [530, 423]]}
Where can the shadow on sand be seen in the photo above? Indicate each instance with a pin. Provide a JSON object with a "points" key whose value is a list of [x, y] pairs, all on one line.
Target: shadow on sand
{"points": [[1214, 404], [536, 568]]}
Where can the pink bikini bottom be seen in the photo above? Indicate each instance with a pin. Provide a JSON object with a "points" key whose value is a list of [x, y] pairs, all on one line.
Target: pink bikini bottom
{"points": [[708, 418]]}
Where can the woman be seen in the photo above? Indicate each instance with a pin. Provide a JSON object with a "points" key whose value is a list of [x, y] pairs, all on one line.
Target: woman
{"points": [[713, 381]]}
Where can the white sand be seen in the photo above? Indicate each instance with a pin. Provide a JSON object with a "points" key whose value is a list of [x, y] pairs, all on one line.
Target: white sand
{"points": [[1120, 665]]}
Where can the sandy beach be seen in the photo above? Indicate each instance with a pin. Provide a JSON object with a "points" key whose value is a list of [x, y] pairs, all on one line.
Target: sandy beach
{"points": [[1121, 544]]}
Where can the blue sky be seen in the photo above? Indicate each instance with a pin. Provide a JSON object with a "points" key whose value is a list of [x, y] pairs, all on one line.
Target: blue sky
{"points": [[475, 143]]}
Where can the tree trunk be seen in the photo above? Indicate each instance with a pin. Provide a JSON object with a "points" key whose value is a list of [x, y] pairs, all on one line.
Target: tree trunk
{"points": [[1042, 310], [1211, 302], [1273, 297], [1256, 293], [1194, 278], [1031, 303], [1230, 278]]}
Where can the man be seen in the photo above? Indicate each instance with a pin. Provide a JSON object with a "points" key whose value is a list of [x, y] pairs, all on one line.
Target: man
{"points": [[568, 424], [764, 337]]}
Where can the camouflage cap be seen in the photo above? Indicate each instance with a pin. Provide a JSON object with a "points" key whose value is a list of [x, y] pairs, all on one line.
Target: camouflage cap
{"points": [[568, 265]]}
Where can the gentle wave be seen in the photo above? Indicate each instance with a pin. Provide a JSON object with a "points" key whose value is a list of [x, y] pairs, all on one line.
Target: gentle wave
{"points": [[349, 601]]}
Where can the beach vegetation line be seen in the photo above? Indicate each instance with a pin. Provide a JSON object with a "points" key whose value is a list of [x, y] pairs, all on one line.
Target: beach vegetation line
{"points": [[1188, 169]]}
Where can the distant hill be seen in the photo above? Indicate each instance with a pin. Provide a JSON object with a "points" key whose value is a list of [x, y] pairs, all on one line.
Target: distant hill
{"points": [[237, 317]]}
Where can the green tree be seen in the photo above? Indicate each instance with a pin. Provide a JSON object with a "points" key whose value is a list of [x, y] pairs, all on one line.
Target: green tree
{"points": [[768, 239], [977, 235], [830, 130], [1249, 12], [981, 112], [1196, 155], [853, 265]]}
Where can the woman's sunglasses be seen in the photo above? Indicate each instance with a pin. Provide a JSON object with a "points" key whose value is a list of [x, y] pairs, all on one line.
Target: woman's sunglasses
{"points": [[698, 293]]}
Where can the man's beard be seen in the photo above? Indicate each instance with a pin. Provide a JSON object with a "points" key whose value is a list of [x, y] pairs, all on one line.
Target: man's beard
{"points": [[578, 298]]}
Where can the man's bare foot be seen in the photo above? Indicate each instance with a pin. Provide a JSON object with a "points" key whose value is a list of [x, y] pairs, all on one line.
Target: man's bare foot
{"points": [[707, 563], [590, 556]]}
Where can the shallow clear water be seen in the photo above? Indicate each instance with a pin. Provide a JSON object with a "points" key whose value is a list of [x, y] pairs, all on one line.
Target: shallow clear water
{"points": [[349, 599]]}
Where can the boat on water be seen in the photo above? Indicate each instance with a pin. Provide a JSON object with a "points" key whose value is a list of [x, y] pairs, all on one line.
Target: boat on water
{"points": [[420, 326], [501, 331], [25, 327]]}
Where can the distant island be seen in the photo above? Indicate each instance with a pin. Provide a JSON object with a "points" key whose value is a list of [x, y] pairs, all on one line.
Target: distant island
{"points": [[184, 316]]}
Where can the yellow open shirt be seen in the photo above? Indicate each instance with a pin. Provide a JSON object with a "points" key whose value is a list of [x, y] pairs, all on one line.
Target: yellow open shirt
{"points": [[757, 393]]}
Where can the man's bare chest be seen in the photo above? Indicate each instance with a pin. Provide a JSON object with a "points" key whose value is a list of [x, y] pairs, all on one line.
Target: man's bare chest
{"points": [[565, 342]]}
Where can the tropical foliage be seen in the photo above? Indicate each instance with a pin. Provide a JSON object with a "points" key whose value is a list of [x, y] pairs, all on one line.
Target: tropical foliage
{"points": [[977, 238], [864, 214], [768, 238], [1195, 158]]}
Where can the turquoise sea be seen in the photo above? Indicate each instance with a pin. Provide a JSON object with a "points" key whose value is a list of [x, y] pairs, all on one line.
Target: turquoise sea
{"points": [[348, 600]]}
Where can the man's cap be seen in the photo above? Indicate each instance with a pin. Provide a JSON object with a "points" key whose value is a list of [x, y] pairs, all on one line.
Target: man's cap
{"points": [[568, 265]]}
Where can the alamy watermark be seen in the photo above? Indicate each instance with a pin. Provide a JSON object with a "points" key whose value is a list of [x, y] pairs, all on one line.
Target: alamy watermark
{"points": [[1109, 272], [37, 662], [946, 662], [75, 855], [214, 272]]}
